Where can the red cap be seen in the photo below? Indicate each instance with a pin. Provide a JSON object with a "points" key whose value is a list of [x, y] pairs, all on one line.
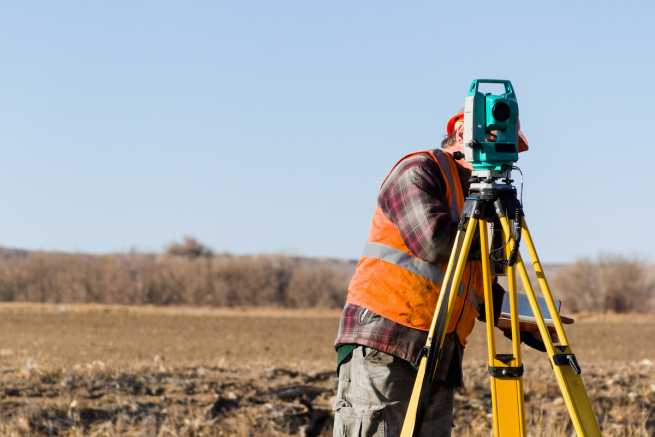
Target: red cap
{"points": [[450, 125], [523, 140]]}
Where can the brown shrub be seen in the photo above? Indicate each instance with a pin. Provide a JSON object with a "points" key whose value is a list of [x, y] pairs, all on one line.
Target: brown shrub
{"points": [[316, 285], [180, 276], [612, 283], [190, 248]]}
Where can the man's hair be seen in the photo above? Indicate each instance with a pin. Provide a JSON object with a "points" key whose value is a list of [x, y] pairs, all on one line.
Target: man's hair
{"points": [[449, 140]]}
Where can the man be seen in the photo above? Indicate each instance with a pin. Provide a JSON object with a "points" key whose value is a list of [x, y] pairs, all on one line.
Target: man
{"points": [[393, 294]]}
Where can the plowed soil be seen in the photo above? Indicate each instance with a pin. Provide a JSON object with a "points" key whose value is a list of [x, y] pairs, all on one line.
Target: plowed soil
{"points": [[94, 370]]}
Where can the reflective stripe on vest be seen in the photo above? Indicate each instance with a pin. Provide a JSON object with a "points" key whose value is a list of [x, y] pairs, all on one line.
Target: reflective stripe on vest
{"points": [[445, 168], [408, 262]]}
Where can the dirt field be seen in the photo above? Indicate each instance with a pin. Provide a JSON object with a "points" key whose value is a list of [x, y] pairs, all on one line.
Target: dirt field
{"points": [[93, 370]]}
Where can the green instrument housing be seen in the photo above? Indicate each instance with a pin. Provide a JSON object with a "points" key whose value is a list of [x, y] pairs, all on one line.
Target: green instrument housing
{"points": [[485, 114]]}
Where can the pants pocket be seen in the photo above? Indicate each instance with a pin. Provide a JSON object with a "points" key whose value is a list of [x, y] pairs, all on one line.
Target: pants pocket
{"points": [[351, 423], [374, 356]]}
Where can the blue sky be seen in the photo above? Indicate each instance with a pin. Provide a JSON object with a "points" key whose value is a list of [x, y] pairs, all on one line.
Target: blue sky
{"points": [[267, 126]]}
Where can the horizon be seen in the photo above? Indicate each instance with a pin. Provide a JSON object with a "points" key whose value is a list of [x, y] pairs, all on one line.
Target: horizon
{"points": [[217, 253]]}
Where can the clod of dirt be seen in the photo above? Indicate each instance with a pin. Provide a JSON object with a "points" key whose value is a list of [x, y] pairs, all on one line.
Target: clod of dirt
{"points": [[12, 391], [222, 406], [90, 416], [303, 393]]}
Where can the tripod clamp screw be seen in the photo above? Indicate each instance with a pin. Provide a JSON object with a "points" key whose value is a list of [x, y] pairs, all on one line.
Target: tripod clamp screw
{"points": [[567, 360]]}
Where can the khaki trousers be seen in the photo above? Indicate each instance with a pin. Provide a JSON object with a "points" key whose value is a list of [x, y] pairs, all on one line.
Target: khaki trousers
{"points": [[373, 393]]}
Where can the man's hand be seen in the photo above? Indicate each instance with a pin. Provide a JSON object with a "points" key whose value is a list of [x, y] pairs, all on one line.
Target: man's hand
{"points": [[498, 294], [530, 338]]}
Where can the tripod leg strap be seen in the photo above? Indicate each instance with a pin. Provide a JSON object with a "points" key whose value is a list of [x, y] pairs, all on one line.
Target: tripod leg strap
{"points": [[506, 372]]}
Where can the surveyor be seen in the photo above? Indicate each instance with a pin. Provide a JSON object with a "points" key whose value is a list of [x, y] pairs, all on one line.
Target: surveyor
{"points": [[393, 293]]}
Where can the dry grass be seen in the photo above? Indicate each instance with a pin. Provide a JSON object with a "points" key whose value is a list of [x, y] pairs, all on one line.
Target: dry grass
{"points": [[102, 370], [177, 310]]}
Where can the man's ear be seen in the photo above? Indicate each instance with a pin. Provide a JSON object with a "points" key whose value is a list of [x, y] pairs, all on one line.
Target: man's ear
{"points": [[459, 133]]}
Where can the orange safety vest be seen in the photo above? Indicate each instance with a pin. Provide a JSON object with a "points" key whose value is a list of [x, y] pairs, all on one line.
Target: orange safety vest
{"points": [[394, 283]]}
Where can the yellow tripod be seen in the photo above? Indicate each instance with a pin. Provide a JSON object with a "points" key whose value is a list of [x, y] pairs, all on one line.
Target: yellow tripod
{"points": [[492, 199]]}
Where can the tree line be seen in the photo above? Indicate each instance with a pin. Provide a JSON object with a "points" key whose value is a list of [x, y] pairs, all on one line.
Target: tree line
{"points": [[190, 273], [187, 273]]}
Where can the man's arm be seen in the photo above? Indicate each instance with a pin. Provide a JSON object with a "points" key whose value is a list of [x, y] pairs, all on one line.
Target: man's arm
{"points": [[414, 198]]}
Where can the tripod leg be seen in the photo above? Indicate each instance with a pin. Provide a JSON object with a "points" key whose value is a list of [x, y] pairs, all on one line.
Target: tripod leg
{"points": [[563, 361], [505, 370], [514, 311], [443, 312]]}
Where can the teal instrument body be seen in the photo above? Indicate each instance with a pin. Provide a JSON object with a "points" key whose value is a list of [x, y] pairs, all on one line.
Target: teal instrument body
{"points": [[488, 114]]}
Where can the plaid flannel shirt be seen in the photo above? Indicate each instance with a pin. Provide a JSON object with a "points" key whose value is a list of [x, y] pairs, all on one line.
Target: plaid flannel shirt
{"points": [[361, 326], [413, 197]]}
